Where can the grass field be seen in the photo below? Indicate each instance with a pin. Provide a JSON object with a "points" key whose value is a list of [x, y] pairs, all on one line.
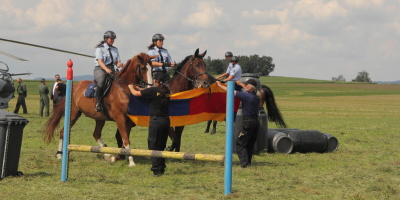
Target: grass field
{"points": [[363, 117]]}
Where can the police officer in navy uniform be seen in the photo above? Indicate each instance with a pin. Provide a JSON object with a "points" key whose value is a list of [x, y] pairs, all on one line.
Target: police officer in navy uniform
{"points": [[164, 60], [106, 57], [159, 97], [250, 105]]}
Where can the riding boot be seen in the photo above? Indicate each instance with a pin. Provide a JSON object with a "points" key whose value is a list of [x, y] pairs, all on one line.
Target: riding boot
{"points": [[99, 105]]}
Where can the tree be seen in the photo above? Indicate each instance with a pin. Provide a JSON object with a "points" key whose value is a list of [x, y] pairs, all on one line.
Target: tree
{"points": [[255, 64], [339, 78], [216, 66], [250, 64], [362, 77]]}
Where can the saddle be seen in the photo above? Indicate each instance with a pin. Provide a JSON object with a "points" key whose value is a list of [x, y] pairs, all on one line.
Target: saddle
{"points": [[90, 91]]}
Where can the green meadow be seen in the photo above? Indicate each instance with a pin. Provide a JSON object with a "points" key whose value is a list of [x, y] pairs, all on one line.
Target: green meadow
{"points": [[363, 117]]}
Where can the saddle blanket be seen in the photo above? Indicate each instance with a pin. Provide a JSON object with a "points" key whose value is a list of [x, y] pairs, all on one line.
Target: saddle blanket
{"points": [[90, 91]]}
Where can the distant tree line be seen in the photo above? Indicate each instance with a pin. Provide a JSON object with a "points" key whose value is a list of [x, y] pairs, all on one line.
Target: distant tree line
{"points": [[362, 76], [250, 64]]}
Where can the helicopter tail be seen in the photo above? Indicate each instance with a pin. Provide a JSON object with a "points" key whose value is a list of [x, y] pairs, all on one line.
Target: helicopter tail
{"points": [[54, 121]]}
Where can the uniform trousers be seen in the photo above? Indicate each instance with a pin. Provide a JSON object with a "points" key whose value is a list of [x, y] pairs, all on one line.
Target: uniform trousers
{"points": [[100, 78], [246, 140], [21, 102], [44, 105], [157, 140]]}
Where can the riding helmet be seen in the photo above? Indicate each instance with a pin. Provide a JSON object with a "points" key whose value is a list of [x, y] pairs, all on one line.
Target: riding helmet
{"points": [[158, 36], [228, 54], [110, 34], [234, 59]]}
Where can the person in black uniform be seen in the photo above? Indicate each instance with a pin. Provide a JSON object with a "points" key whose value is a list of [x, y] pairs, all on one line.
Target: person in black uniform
{"points": [[159, 97], [250, 105]]}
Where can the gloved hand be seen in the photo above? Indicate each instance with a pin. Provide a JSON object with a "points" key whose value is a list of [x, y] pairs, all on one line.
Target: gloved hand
{"points": [[167, 64]]}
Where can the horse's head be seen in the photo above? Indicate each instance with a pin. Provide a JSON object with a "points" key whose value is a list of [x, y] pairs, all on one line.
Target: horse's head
{"points": [[193, 68], [135, 69]]}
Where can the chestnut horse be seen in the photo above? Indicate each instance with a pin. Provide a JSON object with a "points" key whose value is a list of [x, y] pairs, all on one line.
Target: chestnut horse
{"points": [[115, 104]]}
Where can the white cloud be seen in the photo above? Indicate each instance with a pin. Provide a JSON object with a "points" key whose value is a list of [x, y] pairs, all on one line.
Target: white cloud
{"points": [[205, 16]]}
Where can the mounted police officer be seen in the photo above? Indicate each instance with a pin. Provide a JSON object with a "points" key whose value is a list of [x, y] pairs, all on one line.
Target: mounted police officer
{"points": [[234, 71], [164, 60], [106, 57]]}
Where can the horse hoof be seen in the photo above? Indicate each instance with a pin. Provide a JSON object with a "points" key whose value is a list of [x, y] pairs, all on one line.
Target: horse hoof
{"points": [[169, 149], [131, 162], [213, 132], [107, 157], [206, 131], [58, 156]]}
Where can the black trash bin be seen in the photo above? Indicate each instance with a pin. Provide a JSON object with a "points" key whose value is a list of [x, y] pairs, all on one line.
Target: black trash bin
{"points": [[11, 130]]}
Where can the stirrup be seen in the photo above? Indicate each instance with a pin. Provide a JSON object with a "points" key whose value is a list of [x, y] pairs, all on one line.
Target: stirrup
{"points": [[99, 107]]}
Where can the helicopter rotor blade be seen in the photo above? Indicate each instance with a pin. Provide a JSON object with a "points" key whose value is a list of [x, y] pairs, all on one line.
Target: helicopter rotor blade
{"points": [[20, 74], [49, 48], [12, 56]]}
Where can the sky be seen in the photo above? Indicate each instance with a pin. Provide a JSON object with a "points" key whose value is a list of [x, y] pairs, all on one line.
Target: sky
{"points": [[317, 39]]}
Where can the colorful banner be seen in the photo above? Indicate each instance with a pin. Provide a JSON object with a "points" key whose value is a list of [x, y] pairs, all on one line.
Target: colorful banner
{"points": [[188, 107]]}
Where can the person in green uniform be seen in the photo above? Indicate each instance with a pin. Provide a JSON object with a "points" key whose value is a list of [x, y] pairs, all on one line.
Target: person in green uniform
{"points": [[44, 98], [22, 93]]}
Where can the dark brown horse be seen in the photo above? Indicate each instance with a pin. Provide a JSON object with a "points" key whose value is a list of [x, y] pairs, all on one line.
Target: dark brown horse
{"points": [[115, 103], [190, 73]]}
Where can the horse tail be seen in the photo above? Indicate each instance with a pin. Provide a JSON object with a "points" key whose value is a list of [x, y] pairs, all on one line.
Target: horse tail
{"points": [[274, 114], [54, 121]]}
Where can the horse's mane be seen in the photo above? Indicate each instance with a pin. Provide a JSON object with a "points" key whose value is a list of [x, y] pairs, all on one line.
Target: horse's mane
{"points": [[128, 62], [181, 64]]}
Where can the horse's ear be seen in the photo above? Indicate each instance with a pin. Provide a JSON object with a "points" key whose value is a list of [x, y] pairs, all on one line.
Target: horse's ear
{"points": [[196, 53], [155, 56], [203, 54]]}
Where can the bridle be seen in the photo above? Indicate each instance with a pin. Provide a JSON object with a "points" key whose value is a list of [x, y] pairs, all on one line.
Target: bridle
{"points": [[142, 82], [194, 79]]}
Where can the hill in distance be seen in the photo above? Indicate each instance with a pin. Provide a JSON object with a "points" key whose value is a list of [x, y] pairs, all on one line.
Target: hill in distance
{"points": [[271, 79], [76, 78]]}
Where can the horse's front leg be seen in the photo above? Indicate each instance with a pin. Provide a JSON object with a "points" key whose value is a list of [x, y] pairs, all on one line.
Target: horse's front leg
{"points": [[124, 128], [178, 136], [172, 136]]}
